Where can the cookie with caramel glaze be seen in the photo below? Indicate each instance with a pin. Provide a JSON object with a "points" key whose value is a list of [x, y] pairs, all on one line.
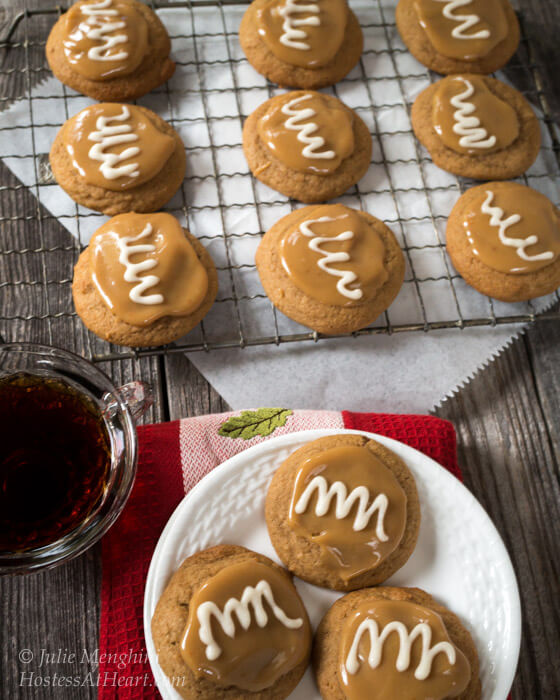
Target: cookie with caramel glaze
{"points": [[384, 682], [329, 294], [307, 145], [171, 631], [374, 535], [504, 240], [483, 44], [128, 32], [477, 127], [313, 53], [117, 158], [143, 281]]}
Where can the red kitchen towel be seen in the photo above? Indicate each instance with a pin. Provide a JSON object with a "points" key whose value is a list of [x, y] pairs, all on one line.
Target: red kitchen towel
{"points": [[173, 458]]}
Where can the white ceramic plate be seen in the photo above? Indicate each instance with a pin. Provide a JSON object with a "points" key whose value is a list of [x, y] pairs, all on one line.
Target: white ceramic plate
{"points": [[460, 557]]}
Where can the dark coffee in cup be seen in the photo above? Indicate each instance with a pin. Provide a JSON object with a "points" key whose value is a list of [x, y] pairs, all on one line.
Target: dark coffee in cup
{"points": [[55, 459]]}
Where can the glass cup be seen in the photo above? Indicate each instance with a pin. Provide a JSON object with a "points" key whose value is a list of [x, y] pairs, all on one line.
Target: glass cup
{"points": [[118, 408]]}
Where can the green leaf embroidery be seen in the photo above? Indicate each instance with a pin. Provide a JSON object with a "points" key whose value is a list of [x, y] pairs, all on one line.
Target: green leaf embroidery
{"points": [[249, 424]]}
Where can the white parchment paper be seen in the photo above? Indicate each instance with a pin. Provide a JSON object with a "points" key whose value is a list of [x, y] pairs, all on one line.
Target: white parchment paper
{"points": [[213, 88]]}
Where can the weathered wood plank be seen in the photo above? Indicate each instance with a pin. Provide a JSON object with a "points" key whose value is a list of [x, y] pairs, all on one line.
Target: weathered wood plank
{"points": [[505, 449], [543, 345], [189, 394], [58, 609]]}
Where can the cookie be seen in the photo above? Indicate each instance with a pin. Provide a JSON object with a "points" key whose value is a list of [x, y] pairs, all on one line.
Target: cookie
{"points": [[117, 158], [230, 625], [343, 512], [301, 44], [110, 50], [459, 36], [477, 127], [143, 280], [380, 644], [307, 145], [331, 268], [504, 240]]}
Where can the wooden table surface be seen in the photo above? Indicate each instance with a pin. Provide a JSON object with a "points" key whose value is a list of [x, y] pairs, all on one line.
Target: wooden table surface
{"points": [[506, 421]]}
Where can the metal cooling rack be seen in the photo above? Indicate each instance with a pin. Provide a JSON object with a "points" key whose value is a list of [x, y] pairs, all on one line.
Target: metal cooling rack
{"points": [[241, 304]]}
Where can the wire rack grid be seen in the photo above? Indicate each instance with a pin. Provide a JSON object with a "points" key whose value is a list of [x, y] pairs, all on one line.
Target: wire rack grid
{"points": [[211, 93]]}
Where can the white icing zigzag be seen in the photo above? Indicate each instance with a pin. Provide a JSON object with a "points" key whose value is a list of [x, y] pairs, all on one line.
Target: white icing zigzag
{"points": [[344, 504], [134, 270], [291, 34], [467, 21], [251, 597], [406, 640], [305, 131], [496, 215], [98, 25], [107, 136], [472, 134], [346, 276]]}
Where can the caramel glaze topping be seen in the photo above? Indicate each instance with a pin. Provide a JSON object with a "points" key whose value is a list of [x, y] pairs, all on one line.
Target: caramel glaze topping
{"points": [[246, 627], [105, 39], [381, 647], [308, 131], [466, 30], [350, 504], [334, 255], [513, 228], [144, 268], [470, 119], [116, 146], [303, 33]]}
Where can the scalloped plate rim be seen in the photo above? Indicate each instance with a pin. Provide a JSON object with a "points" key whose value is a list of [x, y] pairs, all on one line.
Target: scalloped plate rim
{"points": [[504, 682]]}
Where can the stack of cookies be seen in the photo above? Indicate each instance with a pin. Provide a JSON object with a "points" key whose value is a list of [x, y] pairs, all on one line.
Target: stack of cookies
{"points": [[342, 513]]}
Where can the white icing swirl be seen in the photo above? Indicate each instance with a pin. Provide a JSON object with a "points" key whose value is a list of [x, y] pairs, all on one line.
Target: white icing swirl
{"points": [[134, 271], [347, 277], [107, 136], [98, 26], [293, 37], [472, 134], [467, 21], [496, 215], [344, 503], [251, 597], [406, 639], [305, 131]]}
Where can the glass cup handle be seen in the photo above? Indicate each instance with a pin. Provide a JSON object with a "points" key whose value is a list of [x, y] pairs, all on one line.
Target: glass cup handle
{"points": [[138, 397]]}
